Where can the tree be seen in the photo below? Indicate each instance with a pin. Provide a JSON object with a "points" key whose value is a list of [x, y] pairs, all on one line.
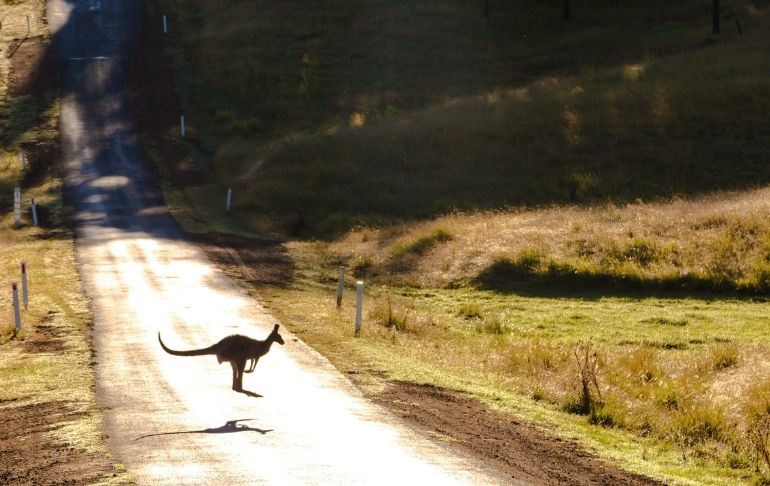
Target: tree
{"points": [[715, 17], [567, 11]]}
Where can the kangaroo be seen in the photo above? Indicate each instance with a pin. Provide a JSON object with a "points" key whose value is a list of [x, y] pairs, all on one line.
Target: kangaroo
{"points": [[237, 350]]}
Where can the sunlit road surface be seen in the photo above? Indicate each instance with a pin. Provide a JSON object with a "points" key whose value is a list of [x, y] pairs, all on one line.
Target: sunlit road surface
{"points": [[174, 420]]}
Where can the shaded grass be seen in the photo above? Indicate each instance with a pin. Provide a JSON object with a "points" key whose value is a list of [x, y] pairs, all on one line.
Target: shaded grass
{"points": [[320, 131]]}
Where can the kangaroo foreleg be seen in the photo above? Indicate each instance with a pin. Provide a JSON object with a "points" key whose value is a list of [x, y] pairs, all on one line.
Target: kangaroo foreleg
{"points": [[252, 365]]}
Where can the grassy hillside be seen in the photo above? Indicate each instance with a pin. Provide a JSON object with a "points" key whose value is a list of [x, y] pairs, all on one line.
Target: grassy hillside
{"points": [[370, 112]]}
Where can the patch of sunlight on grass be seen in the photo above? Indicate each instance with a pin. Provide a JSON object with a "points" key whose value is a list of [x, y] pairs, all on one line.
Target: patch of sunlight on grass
{"points": [[633, 71], [24, 375], [83, 433], [636, 454], [357, 120]]}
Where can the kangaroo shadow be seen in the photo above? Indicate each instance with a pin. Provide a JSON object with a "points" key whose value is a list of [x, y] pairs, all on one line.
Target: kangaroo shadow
{"points": [[229, 427]]}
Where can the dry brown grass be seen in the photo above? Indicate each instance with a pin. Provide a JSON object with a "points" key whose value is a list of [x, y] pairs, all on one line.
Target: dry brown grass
{"points": [[722, 238], [49, 360], [13, 27]]}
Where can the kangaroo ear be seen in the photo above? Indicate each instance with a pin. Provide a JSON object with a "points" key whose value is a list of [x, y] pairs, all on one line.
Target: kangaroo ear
{"points": [[275, 329]]}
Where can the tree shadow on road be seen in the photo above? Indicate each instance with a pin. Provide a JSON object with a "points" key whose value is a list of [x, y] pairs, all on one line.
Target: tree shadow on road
{"points": [[229, 427]]}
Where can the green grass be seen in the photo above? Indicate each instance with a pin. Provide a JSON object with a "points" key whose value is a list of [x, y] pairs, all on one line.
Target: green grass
{"points": [[672, 396]]}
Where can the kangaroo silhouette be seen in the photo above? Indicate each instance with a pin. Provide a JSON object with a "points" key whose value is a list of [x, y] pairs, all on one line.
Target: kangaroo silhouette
{"points": [[236, 350]]}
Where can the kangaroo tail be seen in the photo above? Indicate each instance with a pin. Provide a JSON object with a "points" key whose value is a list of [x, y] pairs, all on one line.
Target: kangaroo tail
{"points": [[191, 352]]}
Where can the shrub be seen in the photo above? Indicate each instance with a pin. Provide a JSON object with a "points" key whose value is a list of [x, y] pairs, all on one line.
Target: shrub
{"points": [[759, 280], [759, 436], [361, 266], [422, 244], [469, 311], [697, 424], [728, 253], [588, 368], [574, 404], [724, 356], [390, 318], [668, 398], [638, 251], [492, 325], [757, 399], [505, 268], [604, 414], [544, 357], [641, 364]]}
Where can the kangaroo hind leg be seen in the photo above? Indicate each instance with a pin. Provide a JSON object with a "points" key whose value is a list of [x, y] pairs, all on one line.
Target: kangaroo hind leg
{"points": [[238, 369]]}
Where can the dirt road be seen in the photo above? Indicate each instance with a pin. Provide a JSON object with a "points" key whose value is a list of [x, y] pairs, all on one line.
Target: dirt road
{"points": [[174, 420]]}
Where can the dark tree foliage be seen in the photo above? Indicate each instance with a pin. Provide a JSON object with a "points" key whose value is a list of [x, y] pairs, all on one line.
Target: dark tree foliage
{"points": [[715, 16]]}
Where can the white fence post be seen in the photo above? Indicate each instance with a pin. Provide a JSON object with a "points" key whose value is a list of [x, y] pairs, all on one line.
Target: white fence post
{"points": [[33, 206], [340, 285], [29, 30], [22, 158], [17, 206], [24, 286], [359, 305], [16, 311], [229, 203], [165, 24], [182, 130]]}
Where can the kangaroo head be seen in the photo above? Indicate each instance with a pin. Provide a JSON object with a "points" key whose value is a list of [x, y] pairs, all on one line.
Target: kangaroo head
{"points": [[275, 336]]}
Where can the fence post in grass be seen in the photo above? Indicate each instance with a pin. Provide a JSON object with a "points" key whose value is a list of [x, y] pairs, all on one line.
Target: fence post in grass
{"points": [[359, 305], [24, 286], [340, 285], [22, 158], [229, 203], [33, 207], [165, 24], [16, 207], [29, 30], [16, 311], [182, 130]]}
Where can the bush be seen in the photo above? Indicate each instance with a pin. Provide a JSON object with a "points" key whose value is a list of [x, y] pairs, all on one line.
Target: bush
{"points": [[638, 251], [604, 415], [422, 244], [469, 311], [642, 366], [361, 266], [492, 325], [697, 424], [505, 268], [724, 356], [391, 318]]}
